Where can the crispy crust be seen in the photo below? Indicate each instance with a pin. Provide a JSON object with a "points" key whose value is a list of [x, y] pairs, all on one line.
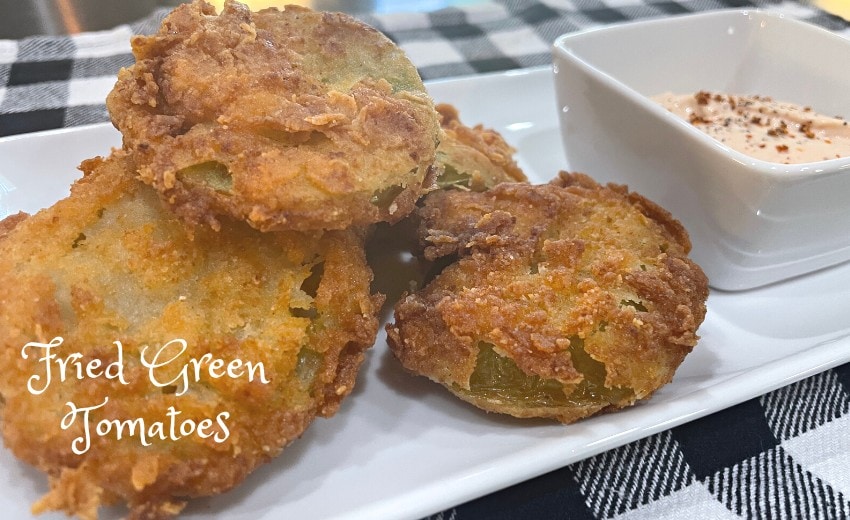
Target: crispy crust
{"points": [[576, 285], [110, 264], [473, 158], [11, 222], [289, 119]]}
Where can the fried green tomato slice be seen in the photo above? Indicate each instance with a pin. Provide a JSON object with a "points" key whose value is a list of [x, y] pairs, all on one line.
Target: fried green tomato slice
{"points": [[557, 301], [287, 119], [231, 343], [473, 158]]}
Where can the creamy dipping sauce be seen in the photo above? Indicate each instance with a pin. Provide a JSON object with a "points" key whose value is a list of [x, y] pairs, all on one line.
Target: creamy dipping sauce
{"points": [[762, 128]]}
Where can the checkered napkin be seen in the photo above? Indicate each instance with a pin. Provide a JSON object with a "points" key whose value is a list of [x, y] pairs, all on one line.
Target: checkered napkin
{"points": [[785, 455], [53, 82]]}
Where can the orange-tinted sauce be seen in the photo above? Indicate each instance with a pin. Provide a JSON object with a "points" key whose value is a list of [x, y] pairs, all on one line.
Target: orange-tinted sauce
{"points": [[762, 128]]}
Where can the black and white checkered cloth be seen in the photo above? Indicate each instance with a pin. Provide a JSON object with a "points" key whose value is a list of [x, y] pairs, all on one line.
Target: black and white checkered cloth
{"points": [[785, 455], [53, 82]]}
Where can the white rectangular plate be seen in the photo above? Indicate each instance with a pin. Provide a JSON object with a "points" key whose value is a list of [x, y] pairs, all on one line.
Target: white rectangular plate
{"points": [[402, 447]]}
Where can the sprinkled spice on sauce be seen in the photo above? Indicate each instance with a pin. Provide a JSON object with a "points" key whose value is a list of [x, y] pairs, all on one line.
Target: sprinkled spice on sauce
{"points": [[762, 128]]}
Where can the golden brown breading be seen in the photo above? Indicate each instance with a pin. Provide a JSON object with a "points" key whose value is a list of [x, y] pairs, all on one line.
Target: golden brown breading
{"points": [[288, 119], [11, 222], [559, 301], [474, 158], [109, 264]]}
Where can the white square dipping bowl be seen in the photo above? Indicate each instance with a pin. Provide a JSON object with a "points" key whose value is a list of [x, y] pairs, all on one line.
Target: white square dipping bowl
{"points": [[751, 222]]}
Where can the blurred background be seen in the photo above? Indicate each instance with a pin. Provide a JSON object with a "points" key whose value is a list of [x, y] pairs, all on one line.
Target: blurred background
{"points": [[21, 18]]}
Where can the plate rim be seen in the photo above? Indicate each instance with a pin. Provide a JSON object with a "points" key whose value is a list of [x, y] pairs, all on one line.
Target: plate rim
{"points": [[530, 462]]}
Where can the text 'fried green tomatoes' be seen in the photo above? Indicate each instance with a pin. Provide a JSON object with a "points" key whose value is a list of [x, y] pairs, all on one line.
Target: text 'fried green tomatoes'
{"points": [[189, 361]]}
